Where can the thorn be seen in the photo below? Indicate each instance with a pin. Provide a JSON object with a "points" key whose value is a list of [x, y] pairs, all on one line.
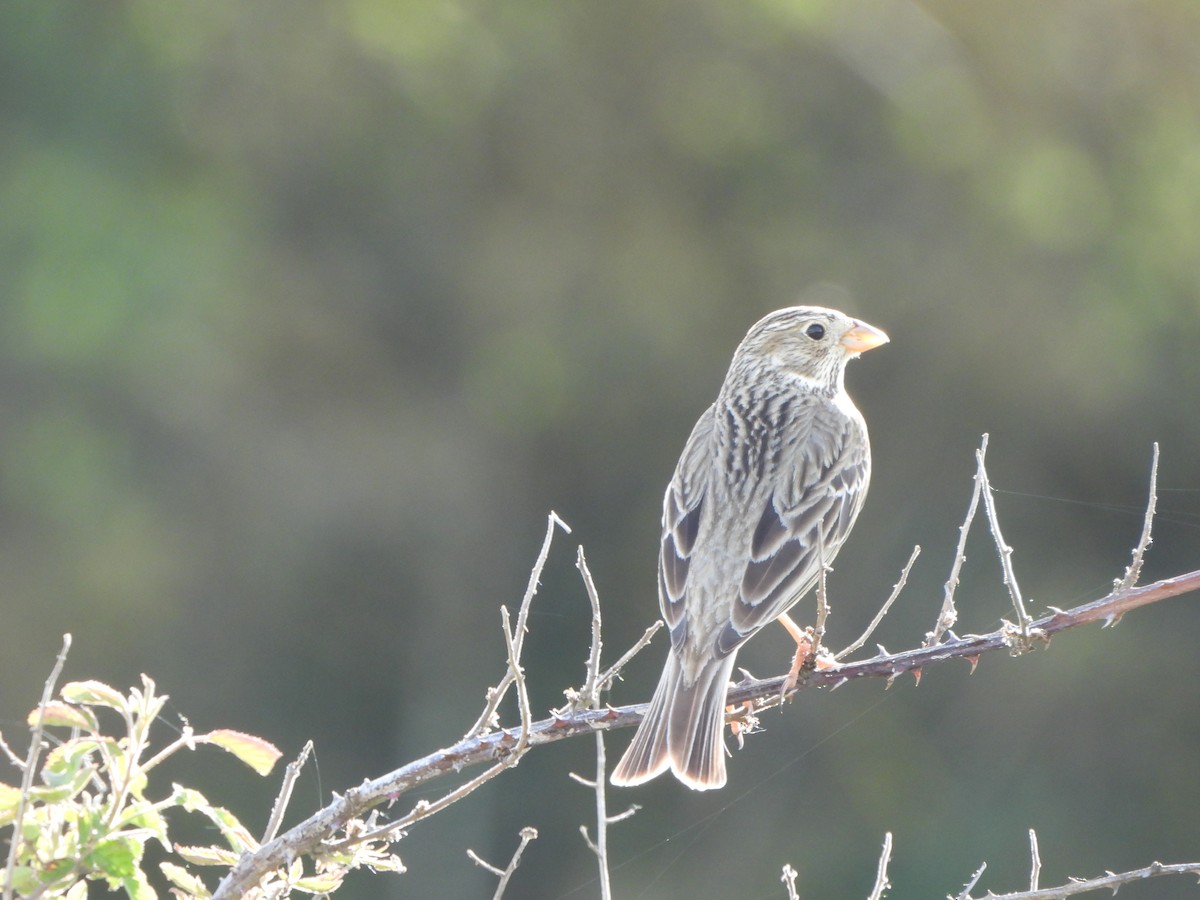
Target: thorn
{"points": [[917, 676], [973, 660]]}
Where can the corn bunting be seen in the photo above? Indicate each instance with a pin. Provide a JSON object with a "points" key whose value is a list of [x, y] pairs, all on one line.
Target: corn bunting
{"points": [[765, 492]]}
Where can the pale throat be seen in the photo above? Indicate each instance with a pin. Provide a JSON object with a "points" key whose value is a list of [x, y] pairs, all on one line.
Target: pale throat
{"points": [[809, 384]]}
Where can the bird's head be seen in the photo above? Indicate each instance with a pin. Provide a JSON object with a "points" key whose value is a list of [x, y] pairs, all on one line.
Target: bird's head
{"points": [[811, 343]]}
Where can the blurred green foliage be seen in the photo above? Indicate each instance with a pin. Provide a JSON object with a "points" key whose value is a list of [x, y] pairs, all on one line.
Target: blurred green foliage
{"points": [[310, 312]]}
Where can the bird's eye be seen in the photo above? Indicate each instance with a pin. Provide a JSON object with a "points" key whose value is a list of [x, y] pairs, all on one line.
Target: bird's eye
{"points": [[815, 331]]}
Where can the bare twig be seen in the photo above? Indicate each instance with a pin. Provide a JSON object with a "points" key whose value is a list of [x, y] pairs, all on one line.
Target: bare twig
{"points": [[965, 893], [12, 757], [1005, 551], [518, 677], [883, 610], [1035, 861], [615, 669], [590, 695], [285, 792], [528, 835], [495, 695], [1135, 566], [30, 765], [818, 633], [881, 873], [949, 614], [789, 881], [508, 759], [1109, 881], [599, 846]]}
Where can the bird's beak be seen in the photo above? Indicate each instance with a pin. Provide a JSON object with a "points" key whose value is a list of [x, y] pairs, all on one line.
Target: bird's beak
{"points": [[863, 337]]}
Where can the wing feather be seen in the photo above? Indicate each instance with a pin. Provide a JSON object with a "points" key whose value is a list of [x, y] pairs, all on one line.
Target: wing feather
{"points": [[802, 524], [683, 512]]}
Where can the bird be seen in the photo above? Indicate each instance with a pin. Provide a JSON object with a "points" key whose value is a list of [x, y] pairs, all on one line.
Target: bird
{"points": [[764, 494]]}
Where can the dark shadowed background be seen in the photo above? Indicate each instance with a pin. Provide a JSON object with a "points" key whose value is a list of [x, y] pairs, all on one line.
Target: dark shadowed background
{"points": [[310, 313]]}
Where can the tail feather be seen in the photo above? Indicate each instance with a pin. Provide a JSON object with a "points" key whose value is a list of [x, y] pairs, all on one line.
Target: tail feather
{"points": [[682, 729], [646, 756]]}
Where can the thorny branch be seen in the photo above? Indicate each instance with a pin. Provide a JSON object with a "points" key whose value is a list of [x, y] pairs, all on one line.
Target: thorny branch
{"points": [[1109, 881], [312, 835], [501, 748]]}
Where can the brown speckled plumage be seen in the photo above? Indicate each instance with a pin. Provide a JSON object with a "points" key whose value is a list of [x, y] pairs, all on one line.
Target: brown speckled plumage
{"points": [[768, 486]]}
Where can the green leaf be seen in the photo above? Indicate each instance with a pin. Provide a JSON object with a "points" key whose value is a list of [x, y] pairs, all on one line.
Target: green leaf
{"points": [[24, 880], [258, 754], [387, 862], [142, 814], [238, 836], [208, 856], [10, 798], [64, 715], [184, 880], [115, 859], [319, 884], [138, 888], [189, 798], [66, 761], [62, 790], [93, 693]]}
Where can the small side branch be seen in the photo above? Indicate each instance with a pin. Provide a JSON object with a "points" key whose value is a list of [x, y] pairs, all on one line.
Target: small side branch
{"points": [[949, 614], [31, 763], [589, 696], [487, 719], [599, 846], [1035, 861], [789, 882], [883, 610], [1002, 547], [528, 835], [285, 792], [881, 872], [1135, 566]]}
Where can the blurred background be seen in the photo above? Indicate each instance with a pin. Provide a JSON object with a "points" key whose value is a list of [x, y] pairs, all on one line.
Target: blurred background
{"points": [[310, 313]]}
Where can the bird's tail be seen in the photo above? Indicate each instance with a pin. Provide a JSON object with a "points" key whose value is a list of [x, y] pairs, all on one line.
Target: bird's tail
{"points": [[682, 729]]}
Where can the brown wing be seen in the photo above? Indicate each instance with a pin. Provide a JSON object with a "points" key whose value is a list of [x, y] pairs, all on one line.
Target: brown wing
{"points": [[683, 507], [814, 509]]}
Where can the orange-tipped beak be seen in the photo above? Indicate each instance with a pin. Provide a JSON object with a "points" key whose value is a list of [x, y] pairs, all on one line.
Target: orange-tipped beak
{"points": [[863, 337]]}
